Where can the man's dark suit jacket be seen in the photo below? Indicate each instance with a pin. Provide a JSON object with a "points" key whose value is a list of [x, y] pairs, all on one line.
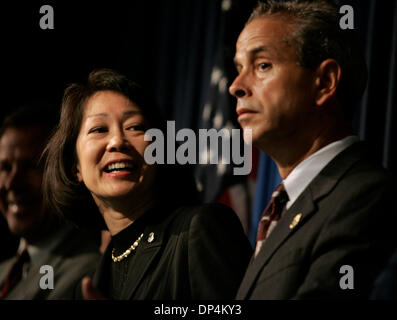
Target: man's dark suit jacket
{"points": [[385, 287], [345, 220], [198, 252], [76, 256]]}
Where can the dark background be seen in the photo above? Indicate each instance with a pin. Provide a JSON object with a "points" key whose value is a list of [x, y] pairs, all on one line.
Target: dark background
{"points": [[171, 46], [167, 45]]}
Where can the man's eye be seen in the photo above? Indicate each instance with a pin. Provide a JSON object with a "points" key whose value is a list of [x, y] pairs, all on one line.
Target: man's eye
{"points": [[5, 166], [263, 66], [97, 130]]}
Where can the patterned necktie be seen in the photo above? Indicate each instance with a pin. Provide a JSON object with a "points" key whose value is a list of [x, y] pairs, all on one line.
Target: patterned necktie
{"points": [[270, 216], [15, 274]]}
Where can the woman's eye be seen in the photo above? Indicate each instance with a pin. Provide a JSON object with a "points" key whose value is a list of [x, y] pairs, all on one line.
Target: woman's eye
{"points": [[136, 127], [97, 130]]}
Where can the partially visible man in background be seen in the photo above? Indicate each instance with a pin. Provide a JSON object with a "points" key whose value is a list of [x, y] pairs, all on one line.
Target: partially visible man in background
{"points": [[66, 253]]}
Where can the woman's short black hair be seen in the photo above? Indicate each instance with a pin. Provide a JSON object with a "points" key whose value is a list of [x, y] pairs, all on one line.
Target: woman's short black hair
{"points": [[63, 193]]}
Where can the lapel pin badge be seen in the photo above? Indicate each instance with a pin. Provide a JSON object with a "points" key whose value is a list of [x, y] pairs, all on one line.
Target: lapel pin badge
{"points": [[295, 221], [151, 237]]}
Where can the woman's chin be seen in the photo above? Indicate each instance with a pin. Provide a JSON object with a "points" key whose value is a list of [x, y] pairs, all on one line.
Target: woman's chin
{"points": [[123, 193], [131, 193]]}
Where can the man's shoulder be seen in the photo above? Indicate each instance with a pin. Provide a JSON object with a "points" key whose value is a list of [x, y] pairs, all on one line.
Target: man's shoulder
{"points": [[352, 181], [77, 243], [77, 248], [356, 164], [353, 185]]}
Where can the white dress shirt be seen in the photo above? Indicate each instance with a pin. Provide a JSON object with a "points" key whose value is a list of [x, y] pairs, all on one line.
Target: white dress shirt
{"points": [[308, 169]]}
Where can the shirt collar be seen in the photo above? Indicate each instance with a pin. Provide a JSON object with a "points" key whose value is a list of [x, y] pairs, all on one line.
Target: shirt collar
{"points": [[308, 169]]}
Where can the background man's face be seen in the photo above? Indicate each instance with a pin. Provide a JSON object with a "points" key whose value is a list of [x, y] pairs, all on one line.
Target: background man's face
{"points": [[275, 96], [20, 178]]}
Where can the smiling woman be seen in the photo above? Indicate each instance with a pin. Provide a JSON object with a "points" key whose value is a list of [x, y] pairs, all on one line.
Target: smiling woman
{"points": [[163, 245], [88, 118], [110, 148]]}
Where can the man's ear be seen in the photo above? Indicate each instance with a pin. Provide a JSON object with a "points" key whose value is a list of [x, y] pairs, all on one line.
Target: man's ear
{"points": [[328, 75], [77, 174]]}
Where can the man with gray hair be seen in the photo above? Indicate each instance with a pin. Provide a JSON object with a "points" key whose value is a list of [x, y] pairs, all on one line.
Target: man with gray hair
{"points": [[326, 231]]}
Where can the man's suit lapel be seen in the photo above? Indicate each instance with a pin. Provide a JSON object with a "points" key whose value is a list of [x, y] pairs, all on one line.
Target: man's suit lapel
{"points": [[303, 208], [29, 288], [33, 290]]}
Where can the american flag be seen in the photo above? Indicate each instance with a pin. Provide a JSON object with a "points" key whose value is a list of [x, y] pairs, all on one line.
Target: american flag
{"points": [[216, 182]]}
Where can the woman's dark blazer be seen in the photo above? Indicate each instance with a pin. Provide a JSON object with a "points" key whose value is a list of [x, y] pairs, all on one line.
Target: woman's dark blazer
{"points": [[198, 252]]}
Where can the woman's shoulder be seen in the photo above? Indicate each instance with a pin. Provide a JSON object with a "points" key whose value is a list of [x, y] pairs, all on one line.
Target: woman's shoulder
{"points": [[203, 210], [204, 214]]}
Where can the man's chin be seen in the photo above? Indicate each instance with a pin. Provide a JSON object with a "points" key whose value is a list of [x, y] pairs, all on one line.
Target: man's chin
{"points": [[266, 141], [22, 224], [252, 137], [20, 228]]}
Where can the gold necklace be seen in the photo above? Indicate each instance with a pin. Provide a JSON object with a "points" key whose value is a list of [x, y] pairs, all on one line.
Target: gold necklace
{"points": [[127, 252]]}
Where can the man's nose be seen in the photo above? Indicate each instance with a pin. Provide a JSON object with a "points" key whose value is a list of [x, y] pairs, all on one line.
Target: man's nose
{"points": [[13, 179], [239, 88], [117, 141]]}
